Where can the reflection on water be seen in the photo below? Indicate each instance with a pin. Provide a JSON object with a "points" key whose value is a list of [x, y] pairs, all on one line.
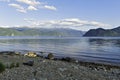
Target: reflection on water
{"points": [[89, 49]]}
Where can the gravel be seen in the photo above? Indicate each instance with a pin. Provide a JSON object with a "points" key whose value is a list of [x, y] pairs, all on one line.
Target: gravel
{"points": [[45, 69]]}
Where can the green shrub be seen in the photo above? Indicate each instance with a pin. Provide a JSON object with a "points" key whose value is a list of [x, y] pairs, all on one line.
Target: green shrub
{"points": [[2, 67], [12, 65], [17, 64], [7, 66]]}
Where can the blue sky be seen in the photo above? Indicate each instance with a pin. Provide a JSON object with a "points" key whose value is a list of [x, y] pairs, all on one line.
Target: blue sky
{"points": [[75, 14]]}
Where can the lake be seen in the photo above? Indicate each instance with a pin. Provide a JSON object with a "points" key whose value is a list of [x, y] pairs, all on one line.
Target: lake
{"points": [[95, 49]]}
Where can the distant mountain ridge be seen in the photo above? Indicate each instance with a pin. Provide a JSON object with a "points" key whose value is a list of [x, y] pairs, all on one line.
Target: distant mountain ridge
{"points": [[25, 31], [100, 32]]}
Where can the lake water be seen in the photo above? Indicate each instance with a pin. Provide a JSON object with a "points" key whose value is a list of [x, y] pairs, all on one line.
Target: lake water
{"points": [[100, 49]]}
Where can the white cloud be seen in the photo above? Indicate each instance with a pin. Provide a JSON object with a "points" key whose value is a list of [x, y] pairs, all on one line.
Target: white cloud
{"points": [[24, 6], [5, 26], [22, 10], [31, 8], [29, 2], [98, 23], [18, 7], [66, 23], [29, 5], [50, 7]]}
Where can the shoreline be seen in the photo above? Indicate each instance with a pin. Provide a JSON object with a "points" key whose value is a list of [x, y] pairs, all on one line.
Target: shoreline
{"points": [[51, 68], [84, 63], [64, 59]]}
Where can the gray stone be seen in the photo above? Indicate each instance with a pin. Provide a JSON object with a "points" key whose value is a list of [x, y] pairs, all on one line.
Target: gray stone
{"points": [[50, 56], [29, 63], [62, 69]]}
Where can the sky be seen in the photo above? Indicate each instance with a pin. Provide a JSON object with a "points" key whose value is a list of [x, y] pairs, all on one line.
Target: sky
{"points": [[75, 14]]}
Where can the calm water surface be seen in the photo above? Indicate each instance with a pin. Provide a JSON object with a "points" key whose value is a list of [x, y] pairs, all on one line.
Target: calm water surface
{"points": [[100, 49]]}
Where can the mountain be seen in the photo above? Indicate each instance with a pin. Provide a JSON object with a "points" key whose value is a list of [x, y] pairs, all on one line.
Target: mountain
{"points": [[100, 32], [25, 31]]}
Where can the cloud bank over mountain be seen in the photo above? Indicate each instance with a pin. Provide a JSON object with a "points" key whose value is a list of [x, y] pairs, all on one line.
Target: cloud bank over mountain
{"points": [[73, 23]]}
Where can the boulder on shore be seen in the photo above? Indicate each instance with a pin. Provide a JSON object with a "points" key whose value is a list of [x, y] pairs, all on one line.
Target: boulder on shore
{"points": [[68, 59], [29, 63], [50, 56], [31, 54]]}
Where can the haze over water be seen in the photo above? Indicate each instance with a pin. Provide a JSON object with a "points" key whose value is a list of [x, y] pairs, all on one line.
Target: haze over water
{"points": [[101, 49]]}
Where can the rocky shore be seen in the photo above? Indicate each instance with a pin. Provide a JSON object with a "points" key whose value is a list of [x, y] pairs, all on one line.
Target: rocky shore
{"points": [[32, 66]]}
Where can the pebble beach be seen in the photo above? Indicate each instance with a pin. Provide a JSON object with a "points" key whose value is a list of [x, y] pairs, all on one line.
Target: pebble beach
{"points": [[55, 69]]}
